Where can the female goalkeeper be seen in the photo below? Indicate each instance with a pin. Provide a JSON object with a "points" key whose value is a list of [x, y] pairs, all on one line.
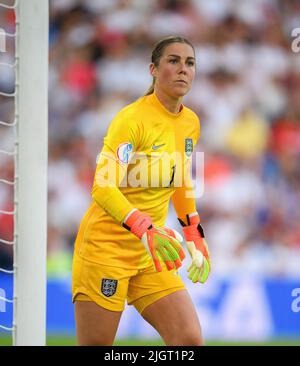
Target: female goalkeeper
{"points": [[122, 250]]}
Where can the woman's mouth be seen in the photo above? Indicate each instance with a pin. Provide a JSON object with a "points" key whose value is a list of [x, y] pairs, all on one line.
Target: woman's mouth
{"points": [[181, 82]]}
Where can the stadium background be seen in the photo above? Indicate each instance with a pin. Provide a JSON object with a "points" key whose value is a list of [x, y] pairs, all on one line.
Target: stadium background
{"points": [[247, 95]]}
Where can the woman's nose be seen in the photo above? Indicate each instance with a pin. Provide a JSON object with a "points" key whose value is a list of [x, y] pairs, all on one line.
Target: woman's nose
{"points": [[183, 69]]}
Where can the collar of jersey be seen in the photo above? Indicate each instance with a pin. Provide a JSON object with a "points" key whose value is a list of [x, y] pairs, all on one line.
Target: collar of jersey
{"points": [[163, 109]]}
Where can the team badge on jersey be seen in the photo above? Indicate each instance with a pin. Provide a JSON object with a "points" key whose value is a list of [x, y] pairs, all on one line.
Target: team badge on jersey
{"points": [[124, 151], [108, 287], [188, 147]]}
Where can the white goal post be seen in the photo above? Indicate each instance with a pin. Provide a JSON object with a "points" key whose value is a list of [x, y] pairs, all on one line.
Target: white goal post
{"points": [[30, 232]]}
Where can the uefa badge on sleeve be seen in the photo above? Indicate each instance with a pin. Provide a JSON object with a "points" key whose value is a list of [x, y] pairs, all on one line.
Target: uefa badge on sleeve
{"points": [[188, 147], [108, 287], [124, 152]]}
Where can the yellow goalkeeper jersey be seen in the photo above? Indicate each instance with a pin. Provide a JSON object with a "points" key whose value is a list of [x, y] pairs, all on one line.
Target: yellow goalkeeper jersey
{"points": [[145, 160]]}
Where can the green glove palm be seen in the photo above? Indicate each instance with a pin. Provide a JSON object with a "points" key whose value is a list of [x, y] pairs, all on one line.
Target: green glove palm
{"points": [[162, 244]]}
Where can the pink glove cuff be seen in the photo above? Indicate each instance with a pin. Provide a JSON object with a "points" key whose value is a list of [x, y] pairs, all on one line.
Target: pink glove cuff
{"points": [[138, 223]]}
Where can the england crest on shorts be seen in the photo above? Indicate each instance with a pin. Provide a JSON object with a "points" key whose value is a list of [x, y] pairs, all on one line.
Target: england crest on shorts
{"points": [[108, 287]]}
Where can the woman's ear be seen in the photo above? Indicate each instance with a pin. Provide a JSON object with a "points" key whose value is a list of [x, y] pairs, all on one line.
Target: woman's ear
{"points": [[153, 70]]}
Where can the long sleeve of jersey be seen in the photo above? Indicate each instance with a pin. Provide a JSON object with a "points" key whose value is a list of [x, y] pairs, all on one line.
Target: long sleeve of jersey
{"points": [[119, 144], [184, 202], [183, 198]]}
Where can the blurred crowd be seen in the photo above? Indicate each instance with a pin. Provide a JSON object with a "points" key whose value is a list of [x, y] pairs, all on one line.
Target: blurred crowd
{"points": [[246, 94]]}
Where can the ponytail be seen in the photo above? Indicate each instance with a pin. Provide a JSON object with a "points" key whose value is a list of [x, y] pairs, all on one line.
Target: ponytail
{"points": [[151, 88]]}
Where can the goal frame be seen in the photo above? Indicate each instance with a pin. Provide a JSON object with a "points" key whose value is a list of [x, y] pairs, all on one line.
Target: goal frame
{"points": [[30, 194]]}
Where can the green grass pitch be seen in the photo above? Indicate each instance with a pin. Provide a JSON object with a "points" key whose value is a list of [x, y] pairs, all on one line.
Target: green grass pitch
{"points": [[5, 340]]}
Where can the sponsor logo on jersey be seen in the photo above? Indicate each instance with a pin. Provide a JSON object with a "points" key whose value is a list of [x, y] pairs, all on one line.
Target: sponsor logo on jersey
{"points": [[124, 151], [155, 147], [108, 287]]}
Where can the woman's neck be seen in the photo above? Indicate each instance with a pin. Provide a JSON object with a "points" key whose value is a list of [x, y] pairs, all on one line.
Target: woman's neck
{"points": [[173, 105]]}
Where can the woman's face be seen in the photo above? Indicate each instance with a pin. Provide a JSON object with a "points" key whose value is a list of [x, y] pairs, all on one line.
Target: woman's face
{"points": [[176, 70]]}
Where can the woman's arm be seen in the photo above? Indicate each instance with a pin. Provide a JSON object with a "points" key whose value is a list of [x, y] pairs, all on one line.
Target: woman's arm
{"points": [[105, 191], [184, 202]]}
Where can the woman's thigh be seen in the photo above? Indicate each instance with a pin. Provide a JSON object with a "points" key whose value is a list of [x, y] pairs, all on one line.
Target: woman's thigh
{"points": [[99, 294], [174, 317], [95, 326]]}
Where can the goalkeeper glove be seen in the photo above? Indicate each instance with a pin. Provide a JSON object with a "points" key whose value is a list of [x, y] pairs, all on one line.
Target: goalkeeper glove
{"points": [[197, 247], [159, 242]]}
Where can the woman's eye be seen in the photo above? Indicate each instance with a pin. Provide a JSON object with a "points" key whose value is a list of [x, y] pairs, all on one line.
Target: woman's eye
{"points": [[173, 61], [191, 63]]}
